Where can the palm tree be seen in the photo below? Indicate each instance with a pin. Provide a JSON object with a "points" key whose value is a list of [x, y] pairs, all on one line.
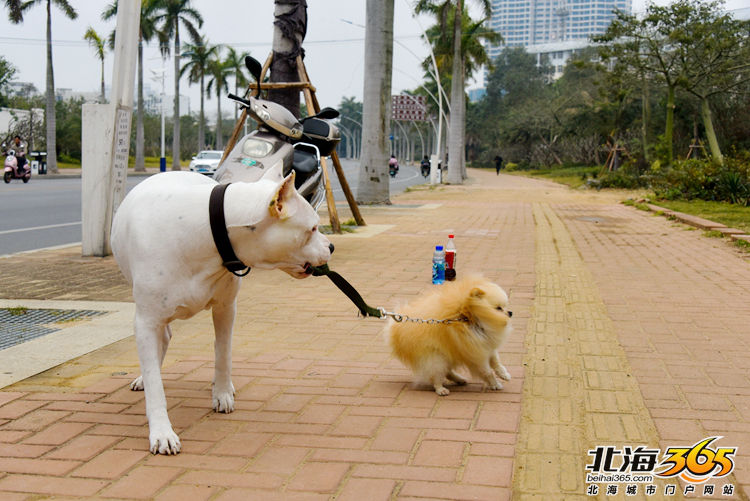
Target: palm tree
{"points": [[236, 62], [17, 10], [220, 72], [172, 13], [474, 37], [442, 10], [373, 184], [146, 33], [198, 56], [100, 49], [14, 10]]}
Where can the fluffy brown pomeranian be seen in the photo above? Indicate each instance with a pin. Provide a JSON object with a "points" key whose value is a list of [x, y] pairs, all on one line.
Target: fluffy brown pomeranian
{"points": [[433, 351]]}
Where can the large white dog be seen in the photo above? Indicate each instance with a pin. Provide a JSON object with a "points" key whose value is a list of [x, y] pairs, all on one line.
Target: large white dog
{"points": [[163, 242]]}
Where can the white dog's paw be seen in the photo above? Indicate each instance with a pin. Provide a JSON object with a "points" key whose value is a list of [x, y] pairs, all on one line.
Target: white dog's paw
{"points": [[164, 441], [223, 401], [503, 373], [137, 384]]}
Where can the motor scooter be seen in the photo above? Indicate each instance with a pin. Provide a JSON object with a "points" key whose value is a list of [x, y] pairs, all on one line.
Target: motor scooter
{"points": [[392, 167], [424, 167], [13, 171], [281, 144]]}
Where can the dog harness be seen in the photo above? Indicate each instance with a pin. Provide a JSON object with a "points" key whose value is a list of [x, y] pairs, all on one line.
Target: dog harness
{"points": [[219, 231]]}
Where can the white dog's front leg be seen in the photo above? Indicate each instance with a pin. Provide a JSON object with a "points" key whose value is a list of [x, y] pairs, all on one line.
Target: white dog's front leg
{"points": [[223, 391], [137, 383], [150, 341]]}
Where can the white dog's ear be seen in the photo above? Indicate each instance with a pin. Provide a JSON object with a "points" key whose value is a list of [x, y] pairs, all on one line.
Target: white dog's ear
{"points": [[281, 205], [476, 292]]}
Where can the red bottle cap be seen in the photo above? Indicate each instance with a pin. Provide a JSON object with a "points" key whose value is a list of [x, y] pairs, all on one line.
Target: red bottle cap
{"points": [[450, 236]]}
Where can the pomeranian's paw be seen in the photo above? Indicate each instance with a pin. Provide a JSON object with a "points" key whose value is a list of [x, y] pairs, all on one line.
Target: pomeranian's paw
{"points": [[442, 390], [497, 385], [503, 373]]}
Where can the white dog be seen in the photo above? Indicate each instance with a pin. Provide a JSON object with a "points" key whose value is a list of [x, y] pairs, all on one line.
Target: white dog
{"points": [[163, 243]]}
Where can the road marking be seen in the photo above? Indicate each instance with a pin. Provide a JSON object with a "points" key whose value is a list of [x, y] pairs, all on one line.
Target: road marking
{"points": [[19, 230]]}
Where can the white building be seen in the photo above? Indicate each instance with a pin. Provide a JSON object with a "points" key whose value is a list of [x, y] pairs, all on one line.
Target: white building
{"points": [[552, 29], [532, 22]]}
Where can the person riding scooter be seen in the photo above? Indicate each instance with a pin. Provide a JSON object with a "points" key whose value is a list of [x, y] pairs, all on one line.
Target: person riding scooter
{"points": [[424, 166], [16, 166], [20, 149], [393, 166]]}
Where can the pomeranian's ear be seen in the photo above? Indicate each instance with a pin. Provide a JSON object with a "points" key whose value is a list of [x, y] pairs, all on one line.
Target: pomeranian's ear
{"points": [[477, 292]]}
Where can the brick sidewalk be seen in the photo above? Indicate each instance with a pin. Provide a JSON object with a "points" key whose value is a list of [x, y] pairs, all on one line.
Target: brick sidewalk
{"points": [[614, 310]]}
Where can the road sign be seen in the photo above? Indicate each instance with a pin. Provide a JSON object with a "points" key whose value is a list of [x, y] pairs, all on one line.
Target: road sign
{"points": [[410, 108]]}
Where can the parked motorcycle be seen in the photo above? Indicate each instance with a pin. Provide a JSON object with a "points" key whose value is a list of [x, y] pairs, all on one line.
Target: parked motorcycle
{"points": [[281, 144], [13, 171]]}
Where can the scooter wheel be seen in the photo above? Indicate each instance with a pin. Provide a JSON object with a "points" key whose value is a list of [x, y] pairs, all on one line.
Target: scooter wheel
{"points": [[26, 179], [7, 177]]}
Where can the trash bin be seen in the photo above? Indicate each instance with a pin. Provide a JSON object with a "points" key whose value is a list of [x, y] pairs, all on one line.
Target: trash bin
{"points": [[38, 162]]}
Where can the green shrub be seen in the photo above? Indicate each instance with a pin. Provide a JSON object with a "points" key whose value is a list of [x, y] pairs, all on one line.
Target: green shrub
{"points": [[706, 180]]}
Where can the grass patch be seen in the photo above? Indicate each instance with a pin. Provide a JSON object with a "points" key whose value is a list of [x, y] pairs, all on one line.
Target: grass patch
{"points": [[732, 215], [326, 229], [17, 311], [575, 176], [713, 234], [742, 245], [148, 161]]}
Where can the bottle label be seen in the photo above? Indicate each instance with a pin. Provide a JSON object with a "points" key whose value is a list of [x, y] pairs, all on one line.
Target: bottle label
{"points": [[438, 273], [450, 259]]}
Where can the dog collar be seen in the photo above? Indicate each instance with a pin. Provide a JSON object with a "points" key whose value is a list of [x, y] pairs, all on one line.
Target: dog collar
{"points": [[219, 231]]}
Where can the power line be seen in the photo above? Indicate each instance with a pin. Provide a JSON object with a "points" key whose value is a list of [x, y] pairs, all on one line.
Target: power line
{"points": [[83, 43]]}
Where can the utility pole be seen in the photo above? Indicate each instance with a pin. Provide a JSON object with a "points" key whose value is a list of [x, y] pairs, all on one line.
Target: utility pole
{"points": [[105, 138]]}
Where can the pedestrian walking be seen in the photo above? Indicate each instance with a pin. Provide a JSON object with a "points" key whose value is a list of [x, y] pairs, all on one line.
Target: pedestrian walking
{"points": [[498, 164]]}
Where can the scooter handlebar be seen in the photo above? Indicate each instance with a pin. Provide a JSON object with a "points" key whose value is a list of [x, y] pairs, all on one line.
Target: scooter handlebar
{"points": [[239, 99]]}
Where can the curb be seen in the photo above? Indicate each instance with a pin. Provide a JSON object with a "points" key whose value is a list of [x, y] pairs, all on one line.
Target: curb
{"points": [[701, 223]]}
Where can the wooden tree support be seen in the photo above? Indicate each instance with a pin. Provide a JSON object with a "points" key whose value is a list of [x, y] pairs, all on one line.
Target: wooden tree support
{"points": [[313, 107], [612, 164], [696, 149]]}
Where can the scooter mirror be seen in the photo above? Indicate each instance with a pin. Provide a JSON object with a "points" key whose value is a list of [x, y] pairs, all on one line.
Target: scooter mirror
{"points": [[327, 114], [255, 68]]}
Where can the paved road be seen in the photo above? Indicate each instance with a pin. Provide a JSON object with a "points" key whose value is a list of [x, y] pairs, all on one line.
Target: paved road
{"points": [[47, 212], [42, 213]]}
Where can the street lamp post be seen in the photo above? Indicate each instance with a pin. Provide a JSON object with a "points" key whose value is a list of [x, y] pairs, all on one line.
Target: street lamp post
{"points": [[161, 75]]}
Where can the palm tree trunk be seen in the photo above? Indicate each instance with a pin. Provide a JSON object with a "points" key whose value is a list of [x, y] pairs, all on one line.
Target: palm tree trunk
{"points": [[50, 104], [236, 93], [289, 31], [455, 148], [219, 142], [140, 160], [103, 97], [373, 184], [176, 129], [202, 119]]}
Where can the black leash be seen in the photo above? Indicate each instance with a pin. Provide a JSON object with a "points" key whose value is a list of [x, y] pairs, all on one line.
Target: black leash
{"points": [[346, 288], [219, 231]]}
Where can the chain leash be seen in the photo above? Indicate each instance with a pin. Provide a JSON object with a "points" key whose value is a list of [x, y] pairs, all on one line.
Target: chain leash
{"points": [[397, 317]]}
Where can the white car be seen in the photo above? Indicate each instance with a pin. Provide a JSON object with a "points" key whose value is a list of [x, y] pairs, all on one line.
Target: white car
{"points": [[206, 162]]}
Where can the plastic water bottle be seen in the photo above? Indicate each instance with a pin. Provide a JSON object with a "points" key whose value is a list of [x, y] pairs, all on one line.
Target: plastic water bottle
{"points": [[438, 265], [450, 259]]}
